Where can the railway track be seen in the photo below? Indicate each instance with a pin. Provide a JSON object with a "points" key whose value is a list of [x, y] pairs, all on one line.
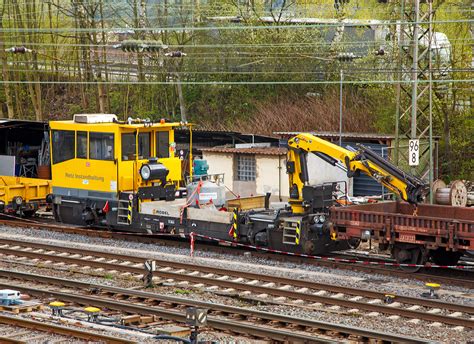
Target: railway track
{"points": [[247, 285], [220, 317], [19, 330], [446, 276]]}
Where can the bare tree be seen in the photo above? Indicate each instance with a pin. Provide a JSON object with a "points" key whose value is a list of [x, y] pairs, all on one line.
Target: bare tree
{"points": [[5, 71]]}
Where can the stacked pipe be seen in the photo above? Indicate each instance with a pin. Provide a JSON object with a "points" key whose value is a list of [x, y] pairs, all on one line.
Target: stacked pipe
{"points": [[454, 194]]}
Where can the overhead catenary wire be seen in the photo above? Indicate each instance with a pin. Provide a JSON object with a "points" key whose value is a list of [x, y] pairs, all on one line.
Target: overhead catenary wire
{"points": [[197, 57], [308, 10], [213, 82], [153, 70], [227, 45]]}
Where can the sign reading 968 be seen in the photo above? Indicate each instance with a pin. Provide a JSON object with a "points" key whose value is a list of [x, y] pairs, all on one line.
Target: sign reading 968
{"points": [[414, 152]]}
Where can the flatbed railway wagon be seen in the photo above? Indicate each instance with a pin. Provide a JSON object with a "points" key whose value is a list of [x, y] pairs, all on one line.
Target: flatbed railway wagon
{"points": [[23, 196], [413, 234]]}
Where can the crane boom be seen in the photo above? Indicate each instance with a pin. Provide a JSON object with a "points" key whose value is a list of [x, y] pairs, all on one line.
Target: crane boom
{"points": [[364, 160]]}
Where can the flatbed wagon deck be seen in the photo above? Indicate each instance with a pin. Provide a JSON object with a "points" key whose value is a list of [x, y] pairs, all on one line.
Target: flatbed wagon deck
{"points": [[435, 229]]}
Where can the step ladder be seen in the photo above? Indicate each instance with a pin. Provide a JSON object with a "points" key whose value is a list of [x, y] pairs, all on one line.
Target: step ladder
{"points": [[124, 214], [291, 232]]}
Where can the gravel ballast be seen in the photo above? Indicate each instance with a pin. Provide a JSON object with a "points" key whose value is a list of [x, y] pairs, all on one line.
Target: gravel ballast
{"points": [[388, 284]]}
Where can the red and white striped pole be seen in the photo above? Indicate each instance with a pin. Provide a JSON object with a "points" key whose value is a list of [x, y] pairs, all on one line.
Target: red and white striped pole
{"points": [[191, 236]]}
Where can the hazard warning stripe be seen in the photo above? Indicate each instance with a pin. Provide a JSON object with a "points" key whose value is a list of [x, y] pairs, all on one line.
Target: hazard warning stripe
{"points": [[130, 211], [298, 233], [332, 259], [234, 224]]}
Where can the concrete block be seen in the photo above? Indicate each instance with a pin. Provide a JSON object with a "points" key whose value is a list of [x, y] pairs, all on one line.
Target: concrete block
{"points": [[338, 296]]}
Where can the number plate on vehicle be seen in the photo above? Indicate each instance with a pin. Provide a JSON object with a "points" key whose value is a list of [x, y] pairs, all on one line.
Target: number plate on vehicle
{"points": [[407, 238]]}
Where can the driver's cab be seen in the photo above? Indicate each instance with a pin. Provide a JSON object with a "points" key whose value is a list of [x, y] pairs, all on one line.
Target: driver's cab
{"points": [[96, 156]]}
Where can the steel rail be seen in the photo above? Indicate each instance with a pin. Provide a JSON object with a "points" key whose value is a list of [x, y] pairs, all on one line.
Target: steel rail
{"points": [[160, 239], [246, 287], [213, 322], [62, 330], [214, 307], [7, 340], [248, 275]]}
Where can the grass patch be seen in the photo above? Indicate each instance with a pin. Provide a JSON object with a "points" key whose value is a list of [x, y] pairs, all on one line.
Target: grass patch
{"points": [[182, 292], [109, 276]]}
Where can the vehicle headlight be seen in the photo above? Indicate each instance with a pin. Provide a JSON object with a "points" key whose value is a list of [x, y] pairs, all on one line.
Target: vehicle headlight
{"points": [[145, 172], [322, 218], [153, 171]]}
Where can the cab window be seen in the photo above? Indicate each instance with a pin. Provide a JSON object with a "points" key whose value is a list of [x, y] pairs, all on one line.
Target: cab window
{"points": [[101, 146], [63, 145], [81, 145], [144, 145], [162, 144], [129, 146]]}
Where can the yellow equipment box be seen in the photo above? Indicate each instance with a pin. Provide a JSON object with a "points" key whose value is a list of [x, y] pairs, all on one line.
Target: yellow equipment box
{"points": [[246, 203]]}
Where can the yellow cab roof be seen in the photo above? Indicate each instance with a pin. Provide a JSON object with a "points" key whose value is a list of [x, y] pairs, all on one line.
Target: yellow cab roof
{"points": [[70, 124]]}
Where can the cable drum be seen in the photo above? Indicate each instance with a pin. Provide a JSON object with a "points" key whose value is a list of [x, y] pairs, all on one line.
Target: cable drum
{"points": [[437, 184], [455, 194]]}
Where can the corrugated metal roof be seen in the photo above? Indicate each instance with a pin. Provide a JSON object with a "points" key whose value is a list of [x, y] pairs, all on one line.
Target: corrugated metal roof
{"points": [[6, 123], [333, 134], [254, 150], [197, 129]]}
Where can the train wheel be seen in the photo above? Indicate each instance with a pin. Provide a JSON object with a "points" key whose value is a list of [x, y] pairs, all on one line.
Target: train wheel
{"points": [[412, 256], [27, 213], [353, 243], [442, 257]]}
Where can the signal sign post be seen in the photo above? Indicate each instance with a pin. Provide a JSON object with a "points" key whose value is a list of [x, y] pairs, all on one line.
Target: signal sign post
{"points": [[414, 152], [195, 318], [150, 266]]}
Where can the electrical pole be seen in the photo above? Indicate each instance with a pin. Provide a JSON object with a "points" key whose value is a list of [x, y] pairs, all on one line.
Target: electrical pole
{"points": [[182, 105], [414, 98], [343, 57], [340, 108]]}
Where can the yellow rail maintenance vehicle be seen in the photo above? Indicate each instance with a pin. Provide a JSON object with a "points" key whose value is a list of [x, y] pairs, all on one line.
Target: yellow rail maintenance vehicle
{"points": [[104, 169]]}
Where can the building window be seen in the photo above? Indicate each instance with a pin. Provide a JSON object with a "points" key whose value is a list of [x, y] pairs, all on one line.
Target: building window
{"points": [[101, 146], [246, 167], [63, 145], [81, 145]]}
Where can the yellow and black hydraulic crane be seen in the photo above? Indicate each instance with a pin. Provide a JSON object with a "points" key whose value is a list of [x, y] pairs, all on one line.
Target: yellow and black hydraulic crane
{"points": [[364, 160]]}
